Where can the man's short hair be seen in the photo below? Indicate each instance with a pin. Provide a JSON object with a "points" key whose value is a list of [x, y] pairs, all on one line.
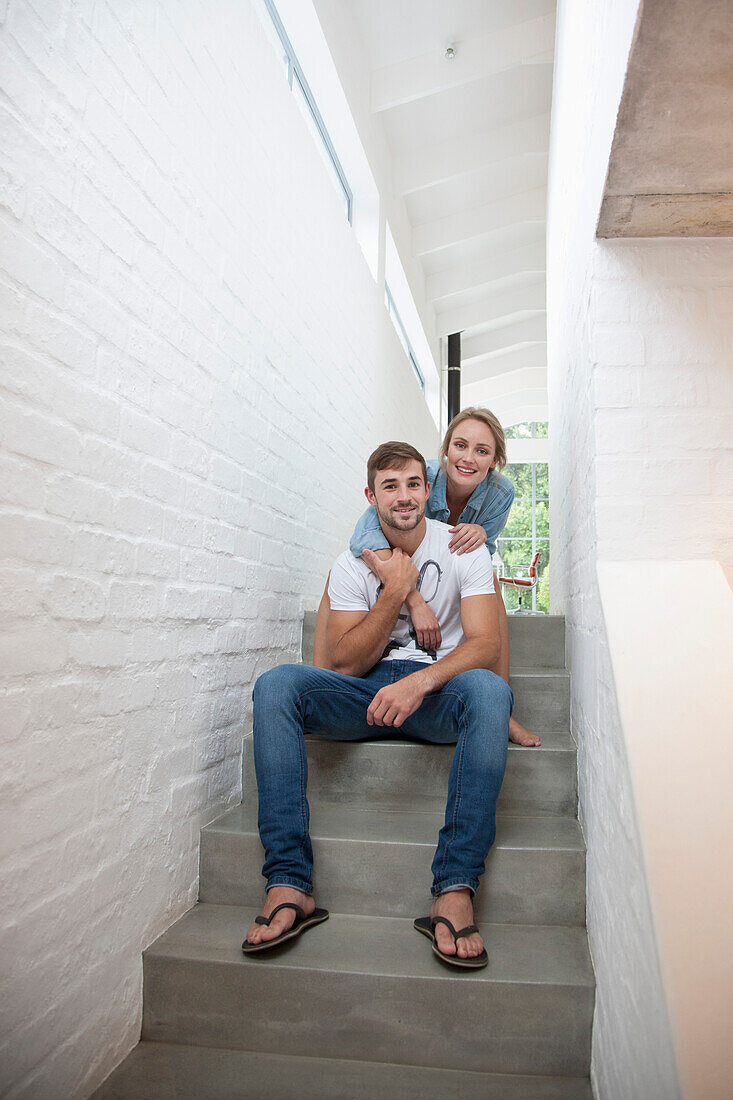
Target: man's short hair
{"points": [[393, 456]]}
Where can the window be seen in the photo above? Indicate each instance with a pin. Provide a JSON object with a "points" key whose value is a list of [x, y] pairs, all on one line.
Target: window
{"points": [[528, 527], [404, 339], [534, 430], [312, 115], [326, 111]]}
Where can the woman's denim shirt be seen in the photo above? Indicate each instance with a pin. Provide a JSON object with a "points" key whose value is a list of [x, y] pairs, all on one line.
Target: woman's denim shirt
{"points": [[488, 506]]}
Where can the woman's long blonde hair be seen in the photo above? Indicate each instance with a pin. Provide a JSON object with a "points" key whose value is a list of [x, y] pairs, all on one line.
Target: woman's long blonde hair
{"points": [[474, 412]]}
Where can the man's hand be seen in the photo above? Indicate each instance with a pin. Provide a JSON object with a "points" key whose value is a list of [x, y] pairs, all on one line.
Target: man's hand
{"points": [[466, 536], [427, 627], [393, 704], [398, 573]]}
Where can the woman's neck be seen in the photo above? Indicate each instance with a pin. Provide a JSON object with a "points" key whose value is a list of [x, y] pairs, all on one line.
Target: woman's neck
{"points": [[456, 501]]}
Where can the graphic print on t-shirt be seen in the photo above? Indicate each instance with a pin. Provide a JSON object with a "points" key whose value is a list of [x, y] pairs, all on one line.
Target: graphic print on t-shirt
{"points": [[429, 580]]}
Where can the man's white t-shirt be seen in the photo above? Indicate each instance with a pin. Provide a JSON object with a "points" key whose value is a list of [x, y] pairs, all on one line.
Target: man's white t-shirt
{"points": [[444, 579]]}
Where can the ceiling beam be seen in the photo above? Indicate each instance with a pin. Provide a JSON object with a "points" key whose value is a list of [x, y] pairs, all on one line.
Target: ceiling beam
{"points": [[491, 389], [492, 308], [436, 163], [529, 261], [531, 42], [528, 356], [497, 340], [528, 206]]}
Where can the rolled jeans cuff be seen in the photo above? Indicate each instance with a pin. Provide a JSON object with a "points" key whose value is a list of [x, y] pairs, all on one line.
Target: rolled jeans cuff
{"points": [[293, 883], [449, 887]]}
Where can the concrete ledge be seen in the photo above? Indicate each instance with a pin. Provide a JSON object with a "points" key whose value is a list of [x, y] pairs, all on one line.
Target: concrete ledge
{"points": [[704, 215]]}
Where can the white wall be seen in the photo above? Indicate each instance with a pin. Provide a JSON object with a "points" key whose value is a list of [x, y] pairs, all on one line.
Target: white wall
{"points": [[675, 703], [639, 364], [196, 363], [347, 50]]}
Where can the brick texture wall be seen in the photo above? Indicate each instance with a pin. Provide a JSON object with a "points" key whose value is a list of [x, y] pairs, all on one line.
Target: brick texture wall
{"points": [[640, 339], [195, 364]]}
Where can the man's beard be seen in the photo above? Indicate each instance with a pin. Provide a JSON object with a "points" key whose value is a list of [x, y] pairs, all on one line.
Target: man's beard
{"points": [[402, 523]]}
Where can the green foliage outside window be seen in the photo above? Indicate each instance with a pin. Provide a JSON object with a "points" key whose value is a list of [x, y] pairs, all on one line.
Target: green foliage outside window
{"points": [[535, 429], [520, 475]]}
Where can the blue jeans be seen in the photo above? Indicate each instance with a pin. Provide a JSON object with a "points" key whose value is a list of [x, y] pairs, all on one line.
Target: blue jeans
{"points": [[471, 711]]}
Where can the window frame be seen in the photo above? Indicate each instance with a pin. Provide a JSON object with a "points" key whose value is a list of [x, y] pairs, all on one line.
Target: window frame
{"points": [[394, 313], [294, 70]]}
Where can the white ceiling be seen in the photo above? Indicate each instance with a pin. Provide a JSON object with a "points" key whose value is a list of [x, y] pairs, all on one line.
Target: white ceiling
{"points": [[468, 140], [399, 30]]}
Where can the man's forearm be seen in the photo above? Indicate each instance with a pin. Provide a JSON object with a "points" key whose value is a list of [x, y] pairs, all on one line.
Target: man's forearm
{"points": [[361, 647], [474, 653], [413, 599]]}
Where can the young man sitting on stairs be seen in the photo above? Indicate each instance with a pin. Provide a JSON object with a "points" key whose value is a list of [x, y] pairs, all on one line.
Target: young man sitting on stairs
{"points": [[381, 683]]}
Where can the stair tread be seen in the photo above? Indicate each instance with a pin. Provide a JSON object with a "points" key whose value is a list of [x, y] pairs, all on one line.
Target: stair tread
{"points": [[552, 741], [339, 821], [171, 1071], [382, 946], [546, 672]]}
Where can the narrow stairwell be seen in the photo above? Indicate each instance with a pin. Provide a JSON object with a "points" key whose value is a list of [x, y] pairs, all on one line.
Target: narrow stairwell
{"points": [[360, 1007]]}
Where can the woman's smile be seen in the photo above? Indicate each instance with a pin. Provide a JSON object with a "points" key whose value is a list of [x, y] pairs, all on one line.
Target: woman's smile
{"points": [[471, 454]]}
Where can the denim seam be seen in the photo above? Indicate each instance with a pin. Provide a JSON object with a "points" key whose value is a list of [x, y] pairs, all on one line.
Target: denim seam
{"points": [[457, 695], [322, 691], [303, 815], [459, 772]]}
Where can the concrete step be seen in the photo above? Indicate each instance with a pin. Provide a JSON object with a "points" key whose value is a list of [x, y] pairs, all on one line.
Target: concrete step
{"points": [[166, 1071], [535, 641], [398, 774], [378, 862], [368, 987], [541, 698]]}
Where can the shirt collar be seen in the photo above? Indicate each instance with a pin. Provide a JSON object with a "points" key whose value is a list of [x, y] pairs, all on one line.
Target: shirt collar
{"points": [[437, 491]]}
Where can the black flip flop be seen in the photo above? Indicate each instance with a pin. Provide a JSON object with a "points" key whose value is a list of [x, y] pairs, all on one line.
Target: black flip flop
{"points": [[300, 924], [426, 925]]}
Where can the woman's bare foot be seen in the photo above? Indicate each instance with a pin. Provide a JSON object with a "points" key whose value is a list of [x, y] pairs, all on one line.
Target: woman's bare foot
{"points": [[282, 921], [457, 907], [518, 735]]}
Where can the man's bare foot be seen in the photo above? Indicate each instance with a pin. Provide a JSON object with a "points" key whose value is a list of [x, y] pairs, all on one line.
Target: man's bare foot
{"points": [[518, 735], [282, 921], [457, 907]]}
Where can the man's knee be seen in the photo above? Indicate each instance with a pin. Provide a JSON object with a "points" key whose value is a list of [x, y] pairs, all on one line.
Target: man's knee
{"points": [[276, 683], [481, 687]]}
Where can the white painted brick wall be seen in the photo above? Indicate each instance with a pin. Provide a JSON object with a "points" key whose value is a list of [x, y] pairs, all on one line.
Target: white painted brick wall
{"points": [[663, 428], [195, 365], [640, 365]]}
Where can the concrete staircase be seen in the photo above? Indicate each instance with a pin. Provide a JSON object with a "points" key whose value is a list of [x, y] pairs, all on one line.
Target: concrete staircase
{"points": [[360, 1007]]}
